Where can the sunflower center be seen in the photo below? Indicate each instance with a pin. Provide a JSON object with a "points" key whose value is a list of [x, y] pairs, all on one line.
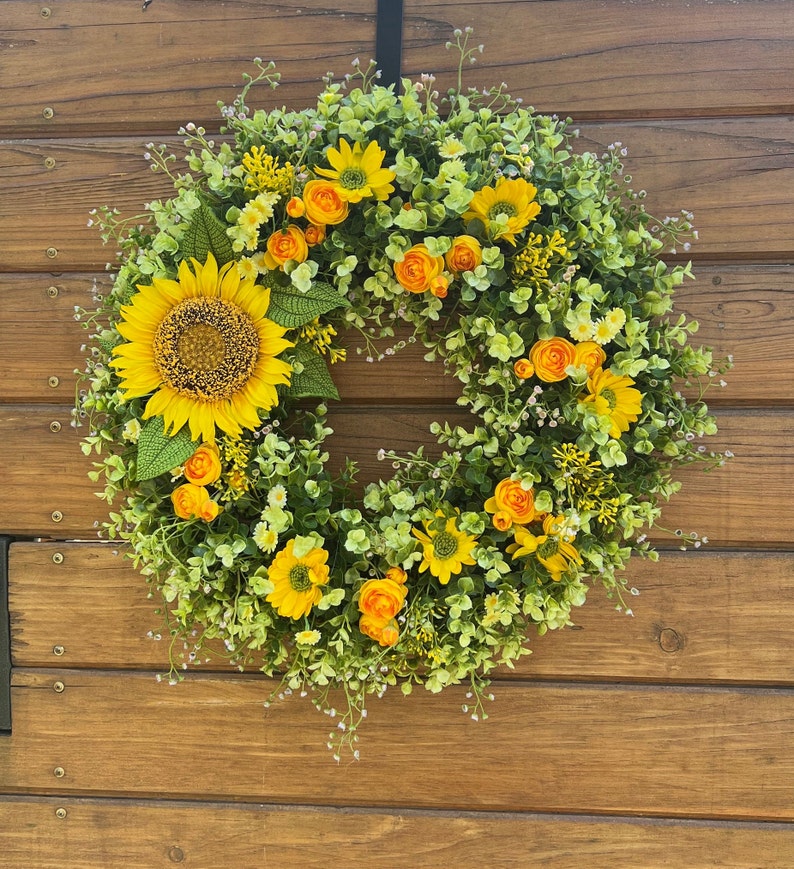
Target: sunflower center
{"points": [[445, 545], [206, 348], [609, 396], [299, 578], [352, 178], [502, 208]]}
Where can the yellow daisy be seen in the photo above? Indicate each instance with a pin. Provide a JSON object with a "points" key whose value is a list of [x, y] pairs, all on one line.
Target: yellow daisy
{"points": [[444, 551], [204, 349], [613, 396], [357, 173], [506, 209], [297, 580], [550, 548]]}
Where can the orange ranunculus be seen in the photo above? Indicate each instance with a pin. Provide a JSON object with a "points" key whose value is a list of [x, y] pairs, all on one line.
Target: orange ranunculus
{"points": [[418, 268], [397, 574], [523, 369], [464, 255], [381, 599], [204, 466], [439, 287], [589, 354], [512, 498], [502, 520], [550, 357], [295, 207], [323, 203], [284, 245], [315, 234], [385, 633], [191, 501]]}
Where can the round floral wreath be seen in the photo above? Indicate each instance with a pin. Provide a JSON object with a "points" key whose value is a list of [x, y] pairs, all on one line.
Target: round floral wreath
{"points": [[468, 223]]}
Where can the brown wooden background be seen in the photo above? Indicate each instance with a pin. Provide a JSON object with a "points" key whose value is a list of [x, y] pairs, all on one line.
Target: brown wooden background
{"points": [[666, 740]]}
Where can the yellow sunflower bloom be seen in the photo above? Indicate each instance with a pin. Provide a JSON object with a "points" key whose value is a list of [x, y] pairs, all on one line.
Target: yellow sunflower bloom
{"points": [[613, 396], [298, 580], [505, 210], [204, 349], [445, 552], [357, 173], [550, 548]]}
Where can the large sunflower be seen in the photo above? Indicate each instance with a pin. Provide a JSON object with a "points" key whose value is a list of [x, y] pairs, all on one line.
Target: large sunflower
{"points": [[445, 550], [613, 396], [504, 210], [357, 173], [204, 349]]}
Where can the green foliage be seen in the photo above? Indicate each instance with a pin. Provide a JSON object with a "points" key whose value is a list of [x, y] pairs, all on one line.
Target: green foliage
{"points": [[291, 308], [206, 234], [159, 452]]}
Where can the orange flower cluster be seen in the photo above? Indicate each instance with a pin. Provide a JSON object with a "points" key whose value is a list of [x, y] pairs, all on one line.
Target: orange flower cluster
{"points": [[192, 500], [379, 601]]}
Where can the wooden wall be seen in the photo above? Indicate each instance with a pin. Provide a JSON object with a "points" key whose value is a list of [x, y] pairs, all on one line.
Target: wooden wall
{"points": [[666, 739]]}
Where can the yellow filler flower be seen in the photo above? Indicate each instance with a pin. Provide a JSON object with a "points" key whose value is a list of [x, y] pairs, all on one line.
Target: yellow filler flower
{"points": [[613, 396], [357, 173], [505, 210], [444, 551], [204, 349], [297, 579]]}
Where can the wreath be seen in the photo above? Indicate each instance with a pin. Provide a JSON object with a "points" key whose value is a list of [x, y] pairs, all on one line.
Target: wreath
{"points": [[381, 217]]}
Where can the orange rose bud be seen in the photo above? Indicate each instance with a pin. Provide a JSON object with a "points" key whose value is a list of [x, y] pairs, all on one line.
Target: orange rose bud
{"points": [[204, 466], [381, 599], [439, 287], [209, 510], [190, 501], [284, 245], [418, 268], [590, 354], [389, 634], [523, 369], [550, 357], [295, 207], [397, 574], [323, 203], [502, 520], [464, 255], [314, 234], [511, 498]]}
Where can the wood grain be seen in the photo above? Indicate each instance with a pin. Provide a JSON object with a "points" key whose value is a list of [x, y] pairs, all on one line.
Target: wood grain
{"points": [[669, 751], [156, 70], [609, 58], [700, 617], [746, 311], [735, 174], [97, 834]]}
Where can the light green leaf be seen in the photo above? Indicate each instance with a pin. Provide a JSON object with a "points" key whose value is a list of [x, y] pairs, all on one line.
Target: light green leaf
{"points": [[207, 234], [159, 452], [310, 377], [291, 308]]}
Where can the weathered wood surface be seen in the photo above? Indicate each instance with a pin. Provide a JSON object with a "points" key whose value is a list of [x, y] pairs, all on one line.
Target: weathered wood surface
{"points": [[154, 70], [700, 617], [703, 752], [747, 311], [738, 506], [97, 834], [147, 70], [735, 174]]}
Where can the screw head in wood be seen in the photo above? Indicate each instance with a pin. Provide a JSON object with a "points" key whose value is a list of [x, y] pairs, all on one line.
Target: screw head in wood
{"points": [[58, 650], [57, 557], [52, 292], [57, 516], [60, 813], [53, 381], [55, 426], [52, 252], [48, 113], [59, 772], [58, 687]]}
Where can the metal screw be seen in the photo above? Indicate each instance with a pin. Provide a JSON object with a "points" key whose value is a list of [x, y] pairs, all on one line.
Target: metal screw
{"points": [[52, 292], [52, 252], [48, 113], [55, 426], [46, 12], [59, 772], [60, 813], [58, 687], [175, 854], [49, 162], [58, 650], [57, 516], [53, 381], [57, 557], [716, 280]]}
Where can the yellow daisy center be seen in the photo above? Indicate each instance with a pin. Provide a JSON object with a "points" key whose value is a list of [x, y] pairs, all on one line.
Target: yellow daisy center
{"points": [[609, 396], [445, 545], [206, 348], [299, 578], [502, 207], [547, 549], [353, 178]]}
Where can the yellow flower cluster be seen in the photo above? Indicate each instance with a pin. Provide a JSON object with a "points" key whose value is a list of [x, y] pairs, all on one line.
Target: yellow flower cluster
{"points": [[590, 488], [264, 173], [321, 338], [534, 260], [236, 454]]}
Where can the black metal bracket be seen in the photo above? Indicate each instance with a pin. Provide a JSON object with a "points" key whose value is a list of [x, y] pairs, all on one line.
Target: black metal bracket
{"points": [[389, 40], [5, 640]]}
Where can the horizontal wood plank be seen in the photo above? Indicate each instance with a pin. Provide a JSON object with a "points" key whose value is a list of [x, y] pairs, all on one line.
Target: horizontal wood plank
{"points": [[97, 834], [155, 70], [699, 617], [746, 311], [736, 175], [48, 473], [696, 752], [643, 58]]}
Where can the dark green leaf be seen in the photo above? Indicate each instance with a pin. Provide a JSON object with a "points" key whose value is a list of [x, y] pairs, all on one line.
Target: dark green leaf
{"points": [[314, 381], [207, 234], [291, 308], [159, 452]]}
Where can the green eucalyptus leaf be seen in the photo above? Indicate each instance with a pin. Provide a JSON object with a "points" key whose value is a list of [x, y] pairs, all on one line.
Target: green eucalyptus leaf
{"points": [[207, 234], [159, 452], [291, 308]]}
